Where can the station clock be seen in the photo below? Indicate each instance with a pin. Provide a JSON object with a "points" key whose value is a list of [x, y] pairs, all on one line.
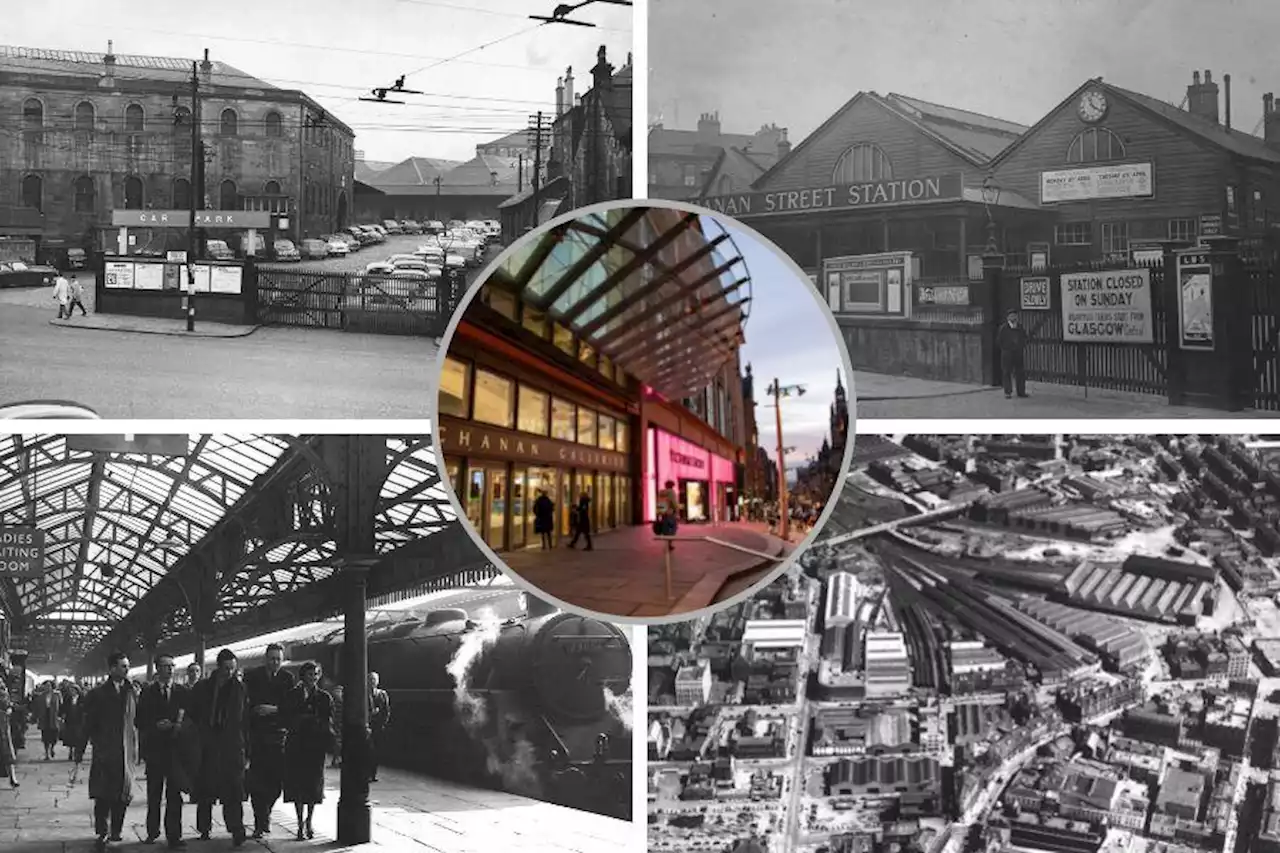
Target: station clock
{"points": [[1093, 106]]}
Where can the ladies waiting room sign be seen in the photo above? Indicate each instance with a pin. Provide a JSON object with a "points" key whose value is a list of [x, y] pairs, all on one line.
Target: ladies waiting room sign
{"points": [[1112, 306]]}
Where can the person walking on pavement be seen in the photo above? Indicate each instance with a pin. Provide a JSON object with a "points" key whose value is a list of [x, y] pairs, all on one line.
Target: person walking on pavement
{"points": [[8, 756], [161, 711], [49, 719], [379, 716], [544, 512], [582, 527], [218, 707], [62, 295], [1012, 341], [268, 688], [73, 724], [110, 714], [76, 293], [309, 712]]}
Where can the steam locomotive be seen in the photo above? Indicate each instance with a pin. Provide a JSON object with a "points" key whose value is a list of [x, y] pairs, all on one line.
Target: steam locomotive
{"points": [[537, 704]]}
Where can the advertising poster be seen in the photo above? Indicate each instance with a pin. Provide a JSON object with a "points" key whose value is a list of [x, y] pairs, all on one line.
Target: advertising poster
{"points": [[201, 273], [118, 275], [1195, 306], [148, 276], [224, 279], [1035, 293], [833, 291], [1131, 180], [1112, 306]]}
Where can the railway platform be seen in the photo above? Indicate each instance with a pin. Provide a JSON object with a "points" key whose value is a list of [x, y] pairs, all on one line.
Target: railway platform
{"points": [[50, 812], [625, 573]]}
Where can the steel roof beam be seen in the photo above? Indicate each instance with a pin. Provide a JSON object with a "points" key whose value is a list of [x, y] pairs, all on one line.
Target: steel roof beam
{"points": [[592, 256], [612, 342]]}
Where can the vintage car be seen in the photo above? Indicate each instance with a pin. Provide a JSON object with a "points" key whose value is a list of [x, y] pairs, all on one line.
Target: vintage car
{"points": [[22, 274]]}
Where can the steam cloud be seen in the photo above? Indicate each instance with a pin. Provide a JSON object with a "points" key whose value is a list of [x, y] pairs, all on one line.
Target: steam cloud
{"points": [[621, 707]]}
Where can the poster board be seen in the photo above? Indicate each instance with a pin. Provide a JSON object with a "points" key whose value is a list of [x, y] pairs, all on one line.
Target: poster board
{"points": [[148, 276], [1195, 302], [1110, 306], [225, 279], [201, 273], [118, 275]]}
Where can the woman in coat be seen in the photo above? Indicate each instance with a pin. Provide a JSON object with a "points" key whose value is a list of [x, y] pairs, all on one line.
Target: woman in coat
{"points": [[544, 514], [50, 719], [74, 737], [310, 720], [8, 759]]}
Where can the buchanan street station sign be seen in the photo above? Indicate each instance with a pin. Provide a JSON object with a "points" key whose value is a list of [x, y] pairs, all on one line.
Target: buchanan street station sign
{"points": [[845, 197]]}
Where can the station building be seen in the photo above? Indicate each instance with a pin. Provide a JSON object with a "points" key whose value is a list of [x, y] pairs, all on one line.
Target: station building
{"points": [[84, 134], [601, 359]]}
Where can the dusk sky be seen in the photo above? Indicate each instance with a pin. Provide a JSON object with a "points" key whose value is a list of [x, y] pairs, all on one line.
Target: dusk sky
{"points": [[790, 338], [337, 51], [1011, 59]]}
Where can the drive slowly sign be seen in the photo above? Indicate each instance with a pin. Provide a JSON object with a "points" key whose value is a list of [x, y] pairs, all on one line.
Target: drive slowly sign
{"points": [[850, 196], [21, 552], [1111, 307]]}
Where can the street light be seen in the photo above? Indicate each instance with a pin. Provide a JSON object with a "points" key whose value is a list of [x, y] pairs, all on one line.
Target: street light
{"points": [[990, 197], [779, 391]]}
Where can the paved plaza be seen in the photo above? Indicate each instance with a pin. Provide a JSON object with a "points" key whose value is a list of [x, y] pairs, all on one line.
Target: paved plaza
{"points": [[51, 813], [625, 574]]}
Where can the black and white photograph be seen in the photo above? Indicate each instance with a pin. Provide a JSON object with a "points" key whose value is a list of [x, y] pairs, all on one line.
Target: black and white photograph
{"points": [[272, 210], [281, 641], [1000, 642], [1053, 210]]}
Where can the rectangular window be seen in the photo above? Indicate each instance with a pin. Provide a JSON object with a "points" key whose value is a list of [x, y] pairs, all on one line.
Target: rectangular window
{"points": [[623, 437], [495, 399], [1073, 233], [1259, 212], [532, 410], [500, 301], [586, 427], [562, 419], [563, 338], [534, 320], [453, 388], [1115, 237], [1233, 211], [606, 433], [1182, 229]]}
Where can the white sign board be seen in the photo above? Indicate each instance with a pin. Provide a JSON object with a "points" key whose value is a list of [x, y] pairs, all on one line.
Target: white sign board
{"points": [[1034, 293], [118, 275], [175, 257], [1112, 306], [148, 276], [1132, 180], [224, 279], [201, 273]]}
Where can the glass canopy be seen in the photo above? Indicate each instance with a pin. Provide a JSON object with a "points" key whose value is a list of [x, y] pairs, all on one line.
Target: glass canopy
{"points": [[116, 524], [663, 293]]}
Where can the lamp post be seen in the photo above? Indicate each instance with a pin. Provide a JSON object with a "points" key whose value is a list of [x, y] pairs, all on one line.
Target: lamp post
{"points": [[990, 197], [779, 391]]}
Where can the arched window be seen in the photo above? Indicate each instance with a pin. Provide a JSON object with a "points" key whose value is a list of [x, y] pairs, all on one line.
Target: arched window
{"points": [[85, 116], [862, 162], [86, 194], [134, 118], [133, 193], [182, 117], [227, 196], [1095, 144], [273, 124], [181, 194], [271, 188], [230, 124], [33, 192], [32, 114]]}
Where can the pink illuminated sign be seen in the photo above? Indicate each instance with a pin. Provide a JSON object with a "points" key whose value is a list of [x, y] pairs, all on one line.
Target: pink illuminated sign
{"points": [[673, 458]]}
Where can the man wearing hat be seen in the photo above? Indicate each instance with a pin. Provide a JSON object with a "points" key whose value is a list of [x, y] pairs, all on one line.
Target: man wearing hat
{"points": [[218, 707], [1012, 341]]}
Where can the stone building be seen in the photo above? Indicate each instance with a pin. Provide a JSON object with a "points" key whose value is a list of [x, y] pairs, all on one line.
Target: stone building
{"points": [[82, 135]]}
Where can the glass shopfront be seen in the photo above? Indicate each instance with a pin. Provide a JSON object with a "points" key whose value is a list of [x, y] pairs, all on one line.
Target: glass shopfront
{"points": [[704, 481]]}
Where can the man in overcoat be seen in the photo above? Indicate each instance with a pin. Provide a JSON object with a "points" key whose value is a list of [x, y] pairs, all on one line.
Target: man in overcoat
{"points": [[110, 711], [161, 712], [269, 688], [218, 709]]}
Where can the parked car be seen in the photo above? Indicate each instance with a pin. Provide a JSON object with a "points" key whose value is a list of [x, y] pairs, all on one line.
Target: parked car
{"points": [[379, 231], [218, 250], [392, 227], [353, 243], [284, 250], [409, 226], [314, 249], [435, 226], [379, 268], [337, 246], [21, 274]]}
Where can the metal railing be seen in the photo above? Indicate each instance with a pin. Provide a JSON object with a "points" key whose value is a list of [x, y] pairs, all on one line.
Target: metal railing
{"points": [[671, 540]]}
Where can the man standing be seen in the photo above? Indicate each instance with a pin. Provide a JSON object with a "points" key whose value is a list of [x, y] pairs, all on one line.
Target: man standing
{"points": [[218, 707], [195, 672], [62, 295], [110, 711], [268, 688], [1012, 341], [379, 716], [161, 709]]}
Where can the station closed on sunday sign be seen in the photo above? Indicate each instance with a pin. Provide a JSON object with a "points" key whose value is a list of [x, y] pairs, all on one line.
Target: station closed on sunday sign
{"points": [[1112, 306]]}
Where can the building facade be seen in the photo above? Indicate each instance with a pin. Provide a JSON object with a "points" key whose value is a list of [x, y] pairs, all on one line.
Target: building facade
{"points": [[85, 135], [680, 161]]}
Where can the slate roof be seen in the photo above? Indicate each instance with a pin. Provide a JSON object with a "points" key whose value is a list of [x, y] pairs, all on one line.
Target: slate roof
{"points": [[78, 63], [1235, 141], [413, 170], [474, 177]]}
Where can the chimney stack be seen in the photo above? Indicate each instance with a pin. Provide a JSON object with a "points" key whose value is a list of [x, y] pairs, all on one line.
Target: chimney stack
{"points": [[569, 100], [206, 67], [1202, 97], [1270, 120], [1226, 100], [559, 96], [109, 65], [784, 144], [602, 74]]}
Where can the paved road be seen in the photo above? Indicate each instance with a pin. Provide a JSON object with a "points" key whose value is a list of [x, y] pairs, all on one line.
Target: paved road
{"points": [[273, 373]]}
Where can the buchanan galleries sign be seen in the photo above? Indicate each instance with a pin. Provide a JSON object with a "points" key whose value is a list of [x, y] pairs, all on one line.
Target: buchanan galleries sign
{"points": [[870, 194]]}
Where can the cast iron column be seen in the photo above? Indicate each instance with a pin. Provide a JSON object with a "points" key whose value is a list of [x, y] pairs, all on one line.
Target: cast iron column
{"points": [[355, 821]]}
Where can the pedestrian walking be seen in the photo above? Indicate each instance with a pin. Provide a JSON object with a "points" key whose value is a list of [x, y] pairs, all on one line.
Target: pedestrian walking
{"points": [[110, 715], [218, 706], [668, 510], [544, 512], [309, 712], [62, 295], [379, 716], [1012, 342], [76, 293], [74, 736], [582, 522], [49, 718], [268, 688], [162, 709], [8, 756]]}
